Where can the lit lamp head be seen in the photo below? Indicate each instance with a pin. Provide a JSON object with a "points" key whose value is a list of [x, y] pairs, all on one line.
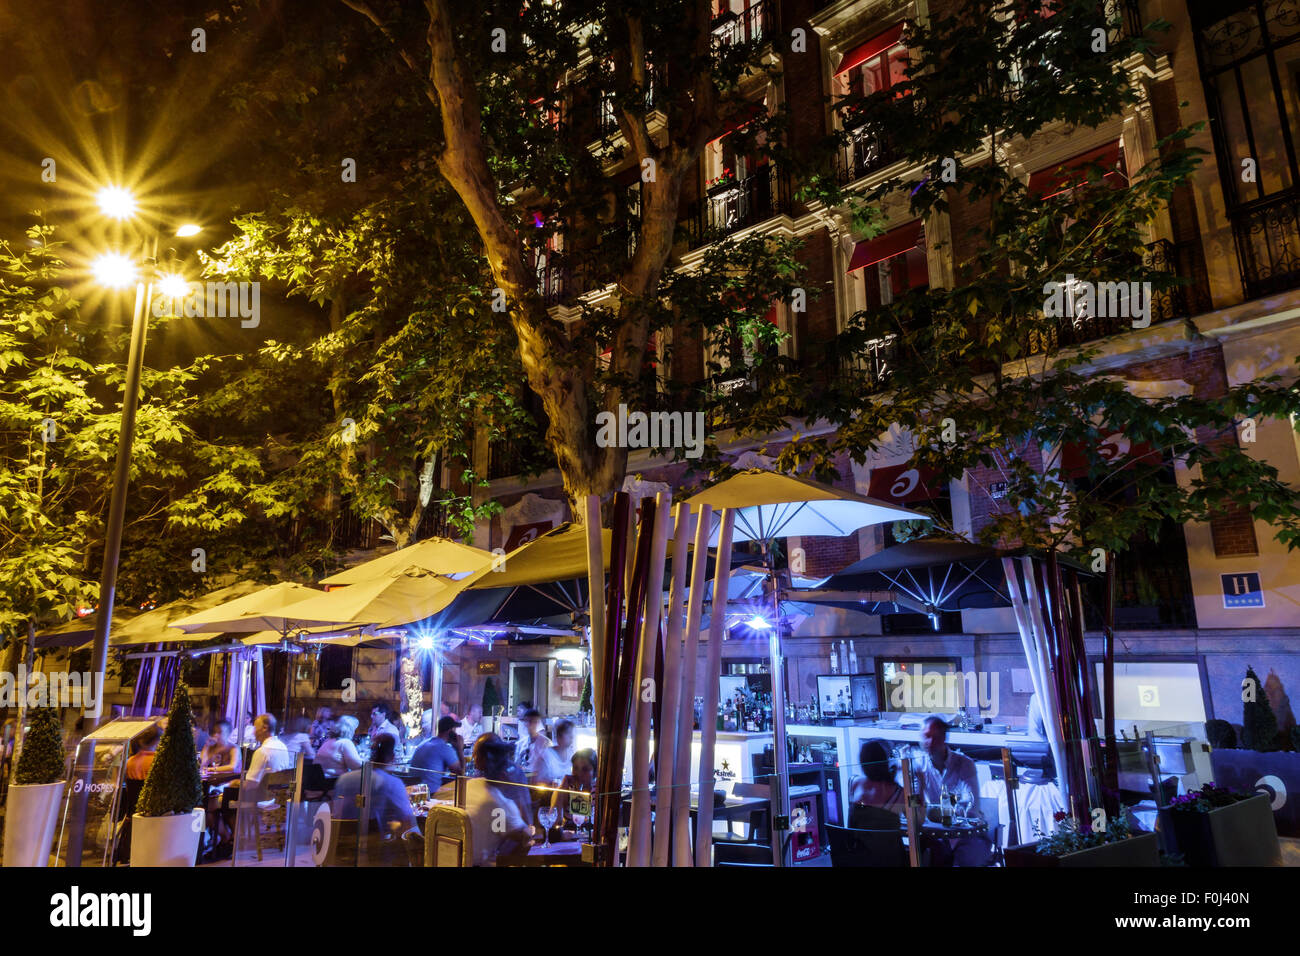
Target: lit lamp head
{"points": [[114, 270], [116, 202], [424, 642], [189, 229]]}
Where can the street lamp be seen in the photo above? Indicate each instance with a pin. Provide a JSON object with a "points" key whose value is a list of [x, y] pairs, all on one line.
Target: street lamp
{"points": [[117, 271]]}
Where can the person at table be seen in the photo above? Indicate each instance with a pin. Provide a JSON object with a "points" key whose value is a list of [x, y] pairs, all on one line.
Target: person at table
{"points": [[338, 754], [426, 732], [941, 768], [381, 723], [271, 756], [530, 752], [320, 727], [297, 740], [580, 779], [391, 809], [556, 760], [137, 767], [220, 755], [472, 726], [496, 823], [437, 761], [875, 798]]}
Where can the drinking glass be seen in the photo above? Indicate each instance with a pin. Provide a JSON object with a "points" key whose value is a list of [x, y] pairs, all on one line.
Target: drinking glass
{"points": [[547, 816], [578, 820]]}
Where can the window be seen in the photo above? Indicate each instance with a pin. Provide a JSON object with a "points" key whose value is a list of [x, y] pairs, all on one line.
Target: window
{"points": [[335, 667], [886, 267]]}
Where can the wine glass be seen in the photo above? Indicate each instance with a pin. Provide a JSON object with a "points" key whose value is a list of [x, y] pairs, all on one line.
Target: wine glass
{"points": [[579, 818], [546, 816]]}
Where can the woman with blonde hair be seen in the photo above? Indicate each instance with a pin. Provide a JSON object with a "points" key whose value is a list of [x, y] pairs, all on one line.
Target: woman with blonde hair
{"points": [[338, 753]]}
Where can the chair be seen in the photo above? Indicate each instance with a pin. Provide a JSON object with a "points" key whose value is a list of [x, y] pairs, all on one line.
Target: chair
{"points": [[874, 848], [315, 785], [734, 853], [448, 838], [758, 825], [272, 830], [413, 840]]}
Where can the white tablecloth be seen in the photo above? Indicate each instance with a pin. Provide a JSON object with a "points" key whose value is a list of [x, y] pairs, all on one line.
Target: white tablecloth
{"points": [[1036, 806]]}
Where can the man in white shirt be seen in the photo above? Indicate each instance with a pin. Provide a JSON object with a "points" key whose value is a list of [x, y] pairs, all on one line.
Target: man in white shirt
{"points": [[272, 756], [940, 768], [381, 723]]}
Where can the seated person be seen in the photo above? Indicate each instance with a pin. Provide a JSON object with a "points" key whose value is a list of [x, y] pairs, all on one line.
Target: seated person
{"points": [[556, 760], [941, 768], [338, 753], [582, 779], [875, 798], [220, 755], [530, 750], [437, 761], [271, 756], [390, 807], [297, 740], [496, 824]]}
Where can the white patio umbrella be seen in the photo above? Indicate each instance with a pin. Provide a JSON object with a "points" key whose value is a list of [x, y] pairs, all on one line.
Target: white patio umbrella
{"points": [[769, 505]]}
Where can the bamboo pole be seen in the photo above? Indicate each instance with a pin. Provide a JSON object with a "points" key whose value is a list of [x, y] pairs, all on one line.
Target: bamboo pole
{"points": [[686, 712], [708, 716], [611, 771], [595, 600], [638, 847], [666, 780]]}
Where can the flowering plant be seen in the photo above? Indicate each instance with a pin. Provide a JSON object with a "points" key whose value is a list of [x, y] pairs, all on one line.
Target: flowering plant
{"points": [[1208, 798], [726, 178], [1071, 837]]}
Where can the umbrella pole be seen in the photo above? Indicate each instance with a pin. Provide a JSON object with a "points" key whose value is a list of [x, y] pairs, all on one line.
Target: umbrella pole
{"points": [[666, 782], [779, 786], [686, 719], [596, 601]]}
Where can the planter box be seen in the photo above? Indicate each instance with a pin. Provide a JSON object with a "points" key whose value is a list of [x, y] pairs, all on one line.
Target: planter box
{"points": [[31, 813], [1242, 834], [164, 841], [1139, 850], [1276, 773]]}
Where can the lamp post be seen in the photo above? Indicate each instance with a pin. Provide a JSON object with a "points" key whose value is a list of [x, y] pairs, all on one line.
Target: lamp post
{"points": [[116, 271]]}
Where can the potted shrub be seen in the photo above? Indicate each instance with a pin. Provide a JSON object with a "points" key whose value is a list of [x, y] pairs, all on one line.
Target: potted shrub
{"points": [[35, 792], [1219, 826], [165, 830], [1080, 845]]}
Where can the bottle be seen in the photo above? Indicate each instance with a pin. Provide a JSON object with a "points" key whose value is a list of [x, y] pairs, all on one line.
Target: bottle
{"points": [[945, 807], [853, 658], [844, 657], [835, 659]]}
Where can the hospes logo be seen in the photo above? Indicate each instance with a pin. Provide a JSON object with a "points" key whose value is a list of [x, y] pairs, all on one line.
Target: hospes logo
{"points": [[75, 909]]}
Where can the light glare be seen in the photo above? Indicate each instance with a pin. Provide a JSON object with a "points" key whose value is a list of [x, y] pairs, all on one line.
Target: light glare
{"points": [[116, 202], [173, 286], [114, 270], [189, 229]]}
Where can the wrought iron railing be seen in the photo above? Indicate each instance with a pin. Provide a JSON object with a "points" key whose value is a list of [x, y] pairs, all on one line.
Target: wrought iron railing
{"points": [[1267, 234], [866, 152], [869, 369], [730, 207], [756, 23]]}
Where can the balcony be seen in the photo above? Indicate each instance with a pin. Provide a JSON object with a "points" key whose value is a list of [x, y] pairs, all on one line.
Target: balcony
{"points": [[865, 153], [1267, 234], [733, 29], [731, 207], [869, 369]]}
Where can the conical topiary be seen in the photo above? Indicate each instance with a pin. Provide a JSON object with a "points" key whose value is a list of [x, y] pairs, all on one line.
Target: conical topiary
{"points": [[42, 757], [173, 784], [584, 705], [1258, 723], [491, 699]]}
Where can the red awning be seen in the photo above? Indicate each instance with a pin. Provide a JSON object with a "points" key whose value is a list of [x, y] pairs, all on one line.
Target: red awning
{"points": [[892, 243], [744, 118], [1050, 182], [1113, 449], [874, 47], [904, 483]]}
